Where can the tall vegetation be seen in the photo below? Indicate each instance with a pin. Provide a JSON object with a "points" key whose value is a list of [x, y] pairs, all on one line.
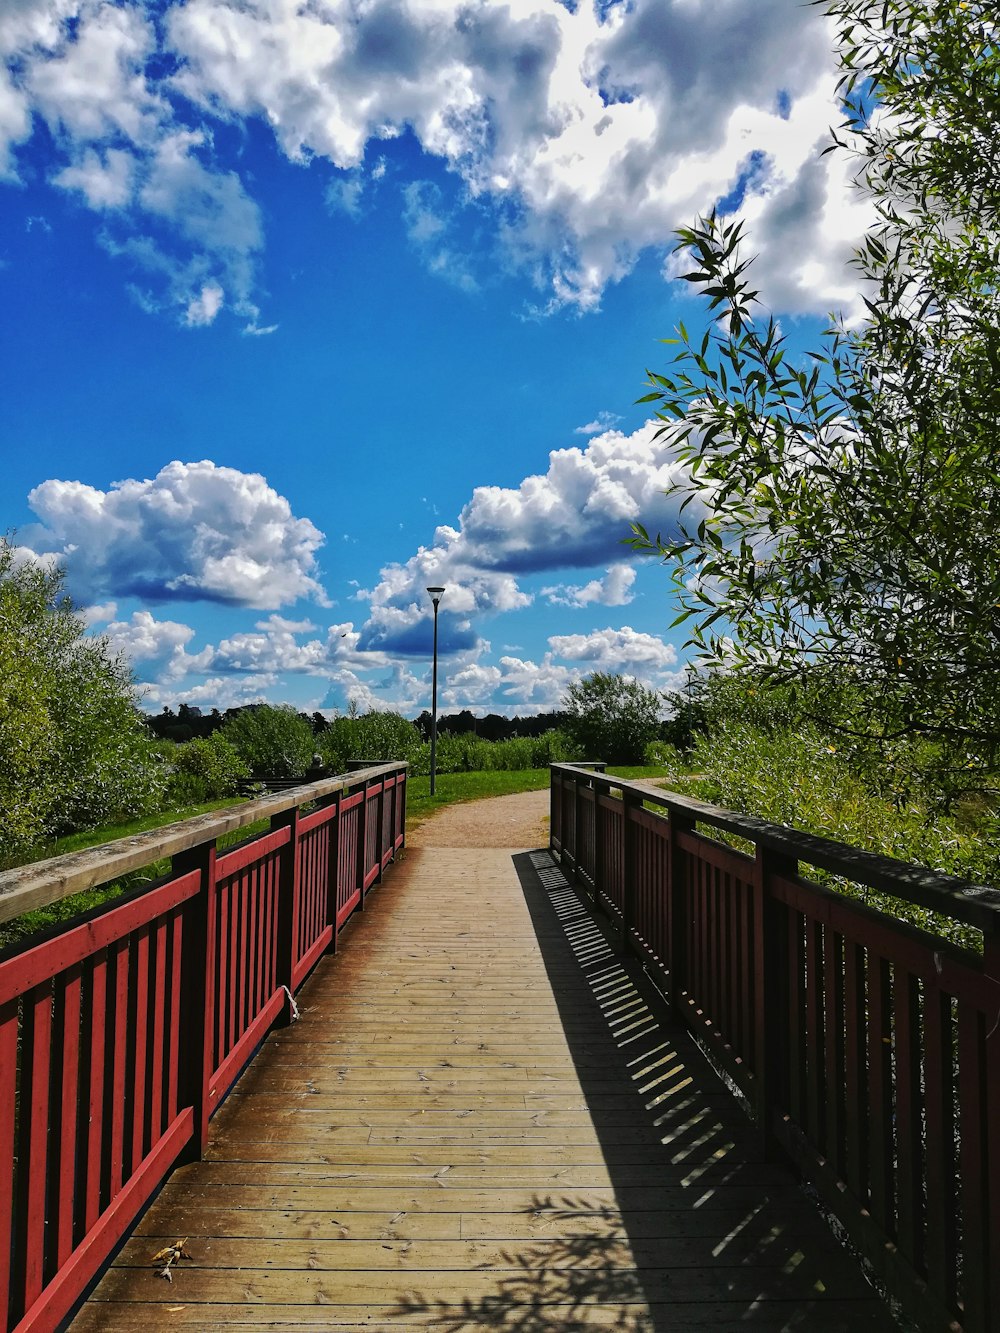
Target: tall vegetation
{"points": [[272, 741], [844, 513], [612, 717], [74, 752]]}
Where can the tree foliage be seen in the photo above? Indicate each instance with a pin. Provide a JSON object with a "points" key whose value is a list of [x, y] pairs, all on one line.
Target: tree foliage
{"points": [[74, 752], [611, 717], [377, 735], [841, 516], [205, 769], [275, 742]]}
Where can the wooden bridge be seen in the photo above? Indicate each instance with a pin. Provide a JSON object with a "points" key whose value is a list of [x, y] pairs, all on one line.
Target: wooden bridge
{"points": [[489, 1111]]}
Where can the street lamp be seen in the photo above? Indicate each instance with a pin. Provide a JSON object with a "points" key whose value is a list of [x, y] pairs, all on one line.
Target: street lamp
{"points": [[435, 594]]}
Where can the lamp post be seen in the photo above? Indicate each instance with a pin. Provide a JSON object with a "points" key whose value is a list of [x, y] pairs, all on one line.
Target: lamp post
{"points": [[435, 595]]}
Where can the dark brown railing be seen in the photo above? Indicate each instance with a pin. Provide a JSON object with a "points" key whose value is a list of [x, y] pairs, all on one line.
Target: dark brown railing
{"points": [[864, 1048], [121, 1034]]}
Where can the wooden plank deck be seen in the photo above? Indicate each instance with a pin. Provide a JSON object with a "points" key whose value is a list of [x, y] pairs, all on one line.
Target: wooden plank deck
{"points": [[479, 1122]]}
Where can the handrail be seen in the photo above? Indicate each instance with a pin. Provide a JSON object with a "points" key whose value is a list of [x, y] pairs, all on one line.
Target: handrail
{"points": [[41, 883], [121, 1032], [975, 904], [865, 1049]]}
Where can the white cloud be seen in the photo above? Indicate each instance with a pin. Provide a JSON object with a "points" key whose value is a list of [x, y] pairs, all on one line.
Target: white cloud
{"points": [[194, 531], [591, 132], [104, 177], [82, 68], [204, 307], [156, 648], [619, 650], [575, 515], [614, 589], [602, 422], [220, 692], [98, 614], [90, 85], [528, 686]]}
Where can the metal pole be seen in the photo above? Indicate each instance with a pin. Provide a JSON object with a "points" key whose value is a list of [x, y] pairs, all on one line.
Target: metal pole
{"points": [[434, 699]]}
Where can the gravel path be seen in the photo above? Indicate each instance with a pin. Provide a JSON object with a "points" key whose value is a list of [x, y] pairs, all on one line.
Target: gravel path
{"points": [[520, 821]]}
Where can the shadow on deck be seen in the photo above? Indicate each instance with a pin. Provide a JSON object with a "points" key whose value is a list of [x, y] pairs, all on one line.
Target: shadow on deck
{"points": [[481, 1122]]}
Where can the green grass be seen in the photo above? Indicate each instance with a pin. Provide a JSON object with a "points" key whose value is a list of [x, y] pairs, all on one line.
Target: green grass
{"points": [[451, 788]]}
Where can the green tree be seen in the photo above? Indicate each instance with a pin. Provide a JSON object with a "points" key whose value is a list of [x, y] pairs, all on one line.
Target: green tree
{"points": [[74, 752], [611, 717], [377, 735], [843, 514], [206, 769], [276, 742]]}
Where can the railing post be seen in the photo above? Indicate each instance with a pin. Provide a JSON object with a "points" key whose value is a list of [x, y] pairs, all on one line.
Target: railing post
{"points": [[771, 995], [196, 1057], [598, 876], [362, 850], [630, 834], [380, 825], [288, 904], [333, 870], [577, 824], [677, 908]]}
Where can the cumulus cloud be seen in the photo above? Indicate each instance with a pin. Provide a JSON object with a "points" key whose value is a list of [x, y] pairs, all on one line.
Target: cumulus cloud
{"points": [[575, 515], [624, 649], [590, 131], [194, 531], [84, 68], [522, 685], [156, 648], [614, 589]]}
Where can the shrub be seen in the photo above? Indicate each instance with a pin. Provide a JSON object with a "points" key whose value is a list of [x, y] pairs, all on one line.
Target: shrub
{"points": [[611, 717], [381, 736], [74, 751], [799, 777], [205, 770], [272, 742]]}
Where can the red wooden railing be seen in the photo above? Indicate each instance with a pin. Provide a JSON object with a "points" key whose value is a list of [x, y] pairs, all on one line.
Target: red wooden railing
{"points": [[864, 1048], [121, 1034]]}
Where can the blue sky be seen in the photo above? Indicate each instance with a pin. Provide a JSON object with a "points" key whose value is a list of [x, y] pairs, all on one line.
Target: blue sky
{"points": [[306, 306]]}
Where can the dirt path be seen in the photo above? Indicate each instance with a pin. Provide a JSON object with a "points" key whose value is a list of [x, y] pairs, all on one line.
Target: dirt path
{"points": [[521, 821]]}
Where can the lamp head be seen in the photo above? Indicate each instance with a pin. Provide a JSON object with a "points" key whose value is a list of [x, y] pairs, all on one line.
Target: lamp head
{"points": [[436, 594]]}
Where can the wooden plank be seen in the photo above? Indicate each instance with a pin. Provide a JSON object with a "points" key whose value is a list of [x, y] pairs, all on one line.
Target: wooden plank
{"points": [[773, 1315], [622, 1287], [430, 1136]]}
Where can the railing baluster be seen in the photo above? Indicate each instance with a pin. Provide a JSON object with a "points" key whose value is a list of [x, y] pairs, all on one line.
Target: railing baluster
{"points": [[837, 1022], [200, 990], [115, 1031]]}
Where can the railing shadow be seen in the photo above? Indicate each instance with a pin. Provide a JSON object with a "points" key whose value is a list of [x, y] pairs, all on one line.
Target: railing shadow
{"points": [[702, 1232]]}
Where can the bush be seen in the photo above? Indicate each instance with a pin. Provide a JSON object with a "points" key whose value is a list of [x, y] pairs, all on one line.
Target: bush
{"points": [[205, 770], [381, 736], [661, 754], [466, 753], [611, 717], [799, 777], [74, 750], [272, 742]]}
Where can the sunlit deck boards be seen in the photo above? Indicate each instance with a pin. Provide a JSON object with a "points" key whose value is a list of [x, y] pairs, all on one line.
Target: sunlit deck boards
{"points": [[478, 1123]]}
